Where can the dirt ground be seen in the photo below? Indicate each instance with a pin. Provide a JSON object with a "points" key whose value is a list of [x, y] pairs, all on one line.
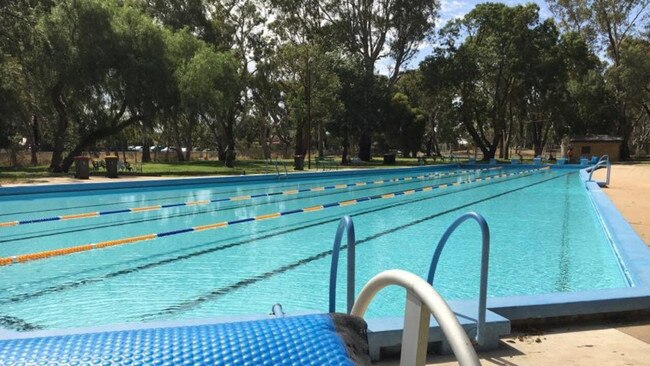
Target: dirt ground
{"points": [[630, 192]]}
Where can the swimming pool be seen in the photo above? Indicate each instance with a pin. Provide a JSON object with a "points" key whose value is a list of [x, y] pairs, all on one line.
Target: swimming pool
{"points": [[546, 238]]}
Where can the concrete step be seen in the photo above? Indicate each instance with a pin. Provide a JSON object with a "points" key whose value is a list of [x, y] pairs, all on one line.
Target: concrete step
{"points": [[386, 333]]}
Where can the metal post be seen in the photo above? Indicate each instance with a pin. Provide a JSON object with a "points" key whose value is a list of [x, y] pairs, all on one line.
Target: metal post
{"points": [[415, 334], [430, 299], [308, 111], [485, 257], [345, 224]]}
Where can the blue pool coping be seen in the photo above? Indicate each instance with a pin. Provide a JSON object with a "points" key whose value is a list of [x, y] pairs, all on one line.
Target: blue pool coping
{"points": [[634, 260], [632, 252]]}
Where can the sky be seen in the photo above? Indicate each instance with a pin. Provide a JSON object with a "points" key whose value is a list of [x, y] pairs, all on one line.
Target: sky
{"points": [[450, 9]]}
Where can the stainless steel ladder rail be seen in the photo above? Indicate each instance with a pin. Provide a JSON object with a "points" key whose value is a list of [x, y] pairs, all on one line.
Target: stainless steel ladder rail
{"points": [[345, 225], [603, 162], [485, 258], [422, 301], [276, 163]]}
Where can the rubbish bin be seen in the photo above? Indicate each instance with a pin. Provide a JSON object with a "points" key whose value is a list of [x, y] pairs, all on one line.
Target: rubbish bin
{"points": [[389, 159], [82, 170], [111, 166], [298, 162]]}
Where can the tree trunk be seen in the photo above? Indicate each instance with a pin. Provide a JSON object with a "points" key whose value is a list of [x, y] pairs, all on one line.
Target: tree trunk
{"points": [[346, 146], [229, 130], [179, 153], [13, 156], [93, 137], [321, 141], [302, 141], [626, 132], [264, 141], [221, 152], [146, 150], [60, 131], [34, 141], [365, 144]]}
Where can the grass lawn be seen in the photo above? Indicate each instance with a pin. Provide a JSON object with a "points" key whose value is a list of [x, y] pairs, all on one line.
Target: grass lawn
{"points": [[34, 174]]}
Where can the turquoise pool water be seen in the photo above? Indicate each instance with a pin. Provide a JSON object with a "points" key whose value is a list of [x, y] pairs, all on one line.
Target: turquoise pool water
{"points": [[546, 238]]}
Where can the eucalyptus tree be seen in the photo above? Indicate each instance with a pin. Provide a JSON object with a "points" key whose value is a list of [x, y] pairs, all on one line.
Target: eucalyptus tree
{"points": [[378, 29], [368, 30], [634, 74], [540, 94], [103, 68], [204, 86], [24, 113], [303, 29], [481, 60], [609, 25]]}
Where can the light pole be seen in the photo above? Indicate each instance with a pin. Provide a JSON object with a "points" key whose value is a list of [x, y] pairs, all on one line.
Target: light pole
{"points": [[308, 111]]}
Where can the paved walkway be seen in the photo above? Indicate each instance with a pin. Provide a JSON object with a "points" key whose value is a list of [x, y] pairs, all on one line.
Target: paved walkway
{"points": [[606, 344]]}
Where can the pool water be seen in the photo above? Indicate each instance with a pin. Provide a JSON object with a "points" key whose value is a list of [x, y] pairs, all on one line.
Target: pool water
{"points": [[546, 238]]}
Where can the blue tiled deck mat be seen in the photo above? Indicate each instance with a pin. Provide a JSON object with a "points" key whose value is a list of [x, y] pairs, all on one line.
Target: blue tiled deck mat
{"points": [[301, 340]]}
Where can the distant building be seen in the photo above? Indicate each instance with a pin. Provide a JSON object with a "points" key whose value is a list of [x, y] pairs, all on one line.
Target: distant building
{"points": [[595, 145]]}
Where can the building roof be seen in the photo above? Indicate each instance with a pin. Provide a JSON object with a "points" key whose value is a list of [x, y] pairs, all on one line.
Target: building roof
{"points": [[596, 138]]}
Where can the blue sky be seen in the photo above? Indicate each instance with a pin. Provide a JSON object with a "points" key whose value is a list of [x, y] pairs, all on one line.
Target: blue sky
{"points": [[450, 9]]}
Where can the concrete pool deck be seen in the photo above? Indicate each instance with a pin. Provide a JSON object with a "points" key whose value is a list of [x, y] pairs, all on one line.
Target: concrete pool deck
{"points": [[610, 343]]}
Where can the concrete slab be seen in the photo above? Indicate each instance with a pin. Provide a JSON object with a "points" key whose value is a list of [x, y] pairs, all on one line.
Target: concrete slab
{"points": [[640, 332], [386, 333], [586, 345]]}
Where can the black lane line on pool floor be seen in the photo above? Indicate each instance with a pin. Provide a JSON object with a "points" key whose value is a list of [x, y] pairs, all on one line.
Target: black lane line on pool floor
{"points": [[288, 184], [17, 324], [562, 282], [361, 212], [266, 275], [202, 211]]}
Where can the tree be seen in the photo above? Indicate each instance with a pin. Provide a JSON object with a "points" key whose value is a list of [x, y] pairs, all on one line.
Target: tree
{"points": [[634, 75], [103, 68], [374, 30], [608, 24], [482, 59]]}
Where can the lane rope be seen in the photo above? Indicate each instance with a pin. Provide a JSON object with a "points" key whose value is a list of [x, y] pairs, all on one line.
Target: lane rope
{"points": [[217, 225], [86, 215]]}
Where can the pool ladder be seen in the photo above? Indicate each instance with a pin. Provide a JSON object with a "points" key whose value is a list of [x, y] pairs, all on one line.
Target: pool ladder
{"points": [[416, 318], [603, 162], [277, 164]]}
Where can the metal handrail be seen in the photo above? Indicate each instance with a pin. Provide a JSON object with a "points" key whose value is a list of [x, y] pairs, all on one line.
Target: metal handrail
{"points": [[485, 257], [276, 163], [346, 225], [286, 173], [422, 301], [602, 162]]}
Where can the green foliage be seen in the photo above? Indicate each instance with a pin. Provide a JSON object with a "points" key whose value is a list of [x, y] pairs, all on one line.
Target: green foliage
{"points": [[80, 75]]}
